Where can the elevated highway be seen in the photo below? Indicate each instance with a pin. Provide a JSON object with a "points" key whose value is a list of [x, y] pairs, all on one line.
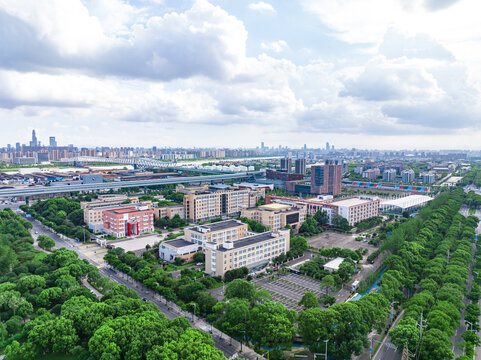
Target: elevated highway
{"points": [[46, 190]]}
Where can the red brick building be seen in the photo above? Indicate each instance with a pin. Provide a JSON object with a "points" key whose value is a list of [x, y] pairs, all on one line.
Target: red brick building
{"points": [[128, 221], [326, 179]]}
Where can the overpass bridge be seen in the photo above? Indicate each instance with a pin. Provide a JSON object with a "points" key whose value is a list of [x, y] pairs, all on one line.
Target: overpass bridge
{"points": [[138, 162], [60, 189]]}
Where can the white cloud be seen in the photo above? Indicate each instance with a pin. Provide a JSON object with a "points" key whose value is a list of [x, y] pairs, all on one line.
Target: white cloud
{"points": [[262, 6], [204, 40], [276, 46]]}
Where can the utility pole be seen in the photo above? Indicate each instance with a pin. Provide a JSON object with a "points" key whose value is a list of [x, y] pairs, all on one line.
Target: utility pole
{"points": [[406, 355], [421, 326]]}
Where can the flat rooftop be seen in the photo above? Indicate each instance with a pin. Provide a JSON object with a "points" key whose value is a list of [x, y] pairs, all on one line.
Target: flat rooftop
{"points": [[250, 240], [351, 202], [178, 243], [126, 211], [275, 207], [216, 226]]}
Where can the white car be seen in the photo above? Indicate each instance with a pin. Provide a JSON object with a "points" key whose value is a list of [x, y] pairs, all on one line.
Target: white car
{"points": [[36, 232]]}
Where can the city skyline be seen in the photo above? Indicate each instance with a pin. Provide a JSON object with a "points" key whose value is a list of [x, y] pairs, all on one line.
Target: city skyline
{"points": [[232, 74]]}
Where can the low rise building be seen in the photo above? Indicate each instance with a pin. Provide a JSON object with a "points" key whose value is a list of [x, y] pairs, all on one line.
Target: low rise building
{"points": [[128, 221], [353, 209], [252, 251], [93, 215], [216, 233], [334, 264], [169, 211], [171, 249], [276, 216], [371, 173]]}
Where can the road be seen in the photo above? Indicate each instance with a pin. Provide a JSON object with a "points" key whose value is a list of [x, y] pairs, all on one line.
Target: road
{"points": [[227, 345]]}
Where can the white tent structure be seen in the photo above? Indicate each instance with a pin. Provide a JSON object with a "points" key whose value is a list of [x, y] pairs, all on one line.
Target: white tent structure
{"points": [[406, 203]]}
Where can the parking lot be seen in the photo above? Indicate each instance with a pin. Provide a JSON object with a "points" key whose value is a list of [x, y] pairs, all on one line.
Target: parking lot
{"points": [[289, 289], [330, 239]]}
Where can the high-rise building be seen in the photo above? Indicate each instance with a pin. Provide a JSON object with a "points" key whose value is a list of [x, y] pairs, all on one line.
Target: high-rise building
{"points": [[52, 141], [428, 178], [286, 164], [408, 175], [327, 146], [389, 175], [34, 141], [305, 147], [300, 166], [9, 147], [326, 179], [17, 147], [262, 145]]}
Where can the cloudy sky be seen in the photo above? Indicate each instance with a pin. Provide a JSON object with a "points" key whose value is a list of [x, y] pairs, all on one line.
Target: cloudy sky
{"points": [[367, 74]]}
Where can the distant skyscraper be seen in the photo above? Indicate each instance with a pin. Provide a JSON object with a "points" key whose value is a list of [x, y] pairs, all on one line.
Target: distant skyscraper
{"points": [[262, 145], [17, 147], [305, 147], [300, 166], [286, 164], [327, 146], [52, 141], [34, 138], [9, 147]]}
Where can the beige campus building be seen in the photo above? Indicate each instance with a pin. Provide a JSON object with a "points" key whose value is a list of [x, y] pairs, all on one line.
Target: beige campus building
{"points": [[169, 211], [276, 216], [216, 233], [218, 200], [253, 251], [108, 199]]}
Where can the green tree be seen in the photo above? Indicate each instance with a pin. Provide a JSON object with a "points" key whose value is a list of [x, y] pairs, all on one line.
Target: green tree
{"points": [[309, 301], [272, 325], [327, 283], [45, 242], [77, 217], [321, 217], [239, 289]]}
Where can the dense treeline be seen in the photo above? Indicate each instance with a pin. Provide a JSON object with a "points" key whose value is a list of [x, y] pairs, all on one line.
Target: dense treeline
{"points": [[472, 177], [62, 215], [436, 258], [418, 247], [368, 223], [45, 310], [186, 291]]}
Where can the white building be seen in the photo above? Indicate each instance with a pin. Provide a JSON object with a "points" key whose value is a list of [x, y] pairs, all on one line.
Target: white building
{"points": [[408, 175], [334, 264], [389, 175]]}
